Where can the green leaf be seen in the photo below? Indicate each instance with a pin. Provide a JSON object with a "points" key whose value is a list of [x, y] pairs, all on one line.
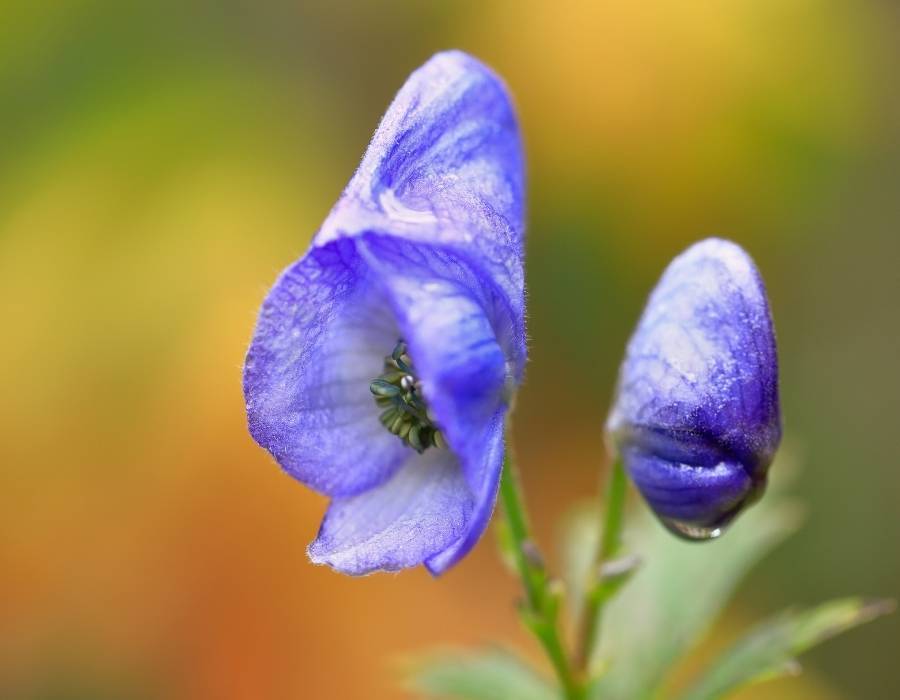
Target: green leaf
{"points": [[769, 650], [488, 675], [676, 595]]}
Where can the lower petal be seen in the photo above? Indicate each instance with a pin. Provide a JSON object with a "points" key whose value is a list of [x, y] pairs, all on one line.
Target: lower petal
{"points": [[690, 498], [423, 509]]}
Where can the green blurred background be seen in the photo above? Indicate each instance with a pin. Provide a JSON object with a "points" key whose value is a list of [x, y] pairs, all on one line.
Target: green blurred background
{"points": [[160, 162]]}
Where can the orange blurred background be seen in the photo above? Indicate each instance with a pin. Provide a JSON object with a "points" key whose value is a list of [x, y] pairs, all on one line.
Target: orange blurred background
{"points": [[161, 162]]}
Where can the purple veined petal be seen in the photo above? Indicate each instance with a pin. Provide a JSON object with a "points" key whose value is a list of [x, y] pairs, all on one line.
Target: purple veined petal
{"points": [[425, 513], [421, 510], [484, 480], [321, 337], [698, 390], [445, 166]]}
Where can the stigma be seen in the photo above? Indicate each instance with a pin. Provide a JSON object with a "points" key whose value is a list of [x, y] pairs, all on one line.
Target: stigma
{"points": [[398, 391]]}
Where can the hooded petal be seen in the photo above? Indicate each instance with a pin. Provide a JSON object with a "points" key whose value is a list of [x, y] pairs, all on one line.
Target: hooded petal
{"points": [[698, 389], [445, 167]]}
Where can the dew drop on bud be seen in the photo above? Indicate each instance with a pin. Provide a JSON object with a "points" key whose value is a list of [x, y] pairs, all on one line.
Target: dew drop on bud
{"points": [[694, 533]]}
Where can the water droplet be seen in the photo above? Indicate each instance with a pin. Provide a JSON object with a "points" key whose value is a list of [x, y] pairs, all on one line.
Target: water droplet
{"points": [[694, 533]]}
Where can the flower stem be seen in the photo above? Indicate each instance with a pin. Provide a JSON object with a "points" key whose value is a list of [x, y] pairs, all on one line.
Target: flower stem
{"points": [[514, 510], [599, 590], [541, 605]]}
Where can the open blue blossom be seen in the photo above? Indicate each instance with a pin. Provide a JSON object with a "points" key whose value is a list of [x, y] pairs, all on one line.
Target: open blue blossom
{"points": [[696, 419], [384, 360]]}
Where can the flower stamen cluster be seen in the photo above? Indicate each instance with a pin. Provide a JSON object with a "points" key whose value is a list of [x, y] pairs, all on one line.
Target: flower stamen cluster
{"points": [[399, 392]]}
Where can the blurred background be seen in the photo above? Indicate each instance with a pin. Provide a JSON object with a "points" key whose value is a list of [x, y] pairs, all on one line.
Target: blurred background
{"points": [[160, 162]]}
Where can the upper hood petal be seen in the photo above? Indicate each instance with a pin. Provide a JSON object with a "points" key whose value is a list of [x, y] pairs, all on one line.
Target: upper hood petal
{"points": [[445, 166]]}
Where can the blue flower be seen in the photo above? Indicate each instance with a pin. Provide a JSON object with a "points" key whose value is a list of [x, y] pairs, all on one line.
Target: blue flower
{"points": [[697, 419], [384, 360]]}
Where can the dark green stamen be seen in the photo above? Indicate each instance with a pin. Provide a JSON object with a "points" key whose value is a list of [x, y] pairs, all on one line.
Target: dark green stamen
{"points": [[399, 393]]}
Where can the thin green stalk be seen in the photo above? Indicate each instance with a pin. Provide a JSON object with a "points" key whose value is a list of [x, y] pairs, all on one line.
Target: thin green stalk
{"points": [[514, 510], [610, 543], [541, 603]]}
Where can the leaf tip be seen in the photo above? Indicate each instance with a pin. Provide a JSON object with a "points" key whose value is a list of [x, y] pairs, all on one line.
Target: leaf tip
{"points": [[876, 607]]}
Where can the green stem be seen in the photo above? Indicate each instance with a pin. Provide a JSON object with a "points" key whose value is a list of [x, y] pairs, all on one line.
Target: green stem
{"points": [[514, 510], [609, 545], [541, 603]]}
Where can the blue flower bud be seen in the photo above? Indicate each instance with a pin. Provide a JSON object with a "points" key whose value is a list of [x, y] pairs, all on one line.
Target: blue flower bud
{"points": [[696, 418]]}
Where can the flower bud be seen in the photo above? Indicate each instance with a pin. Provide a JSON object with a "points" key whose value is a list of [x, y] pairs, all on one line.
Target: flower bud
{"points": [[696, 418]]}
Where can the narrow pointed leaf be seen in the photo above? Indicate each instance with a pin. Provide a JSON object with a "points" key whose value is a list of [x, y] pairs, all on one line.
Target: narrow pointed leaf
{"points": [[769, 650]]}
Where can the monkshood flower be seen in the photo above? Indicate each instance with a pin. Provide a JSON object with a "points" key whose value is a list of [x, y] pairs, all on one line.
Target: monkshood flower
{"points": [[696, 419], [384, 360]]}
